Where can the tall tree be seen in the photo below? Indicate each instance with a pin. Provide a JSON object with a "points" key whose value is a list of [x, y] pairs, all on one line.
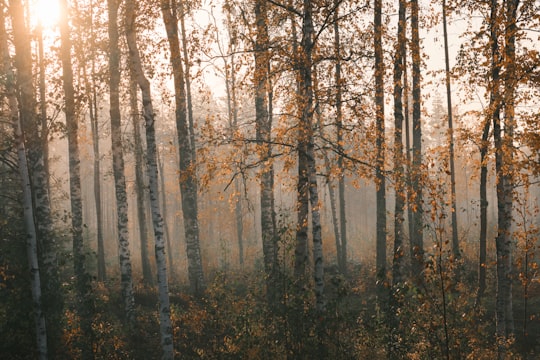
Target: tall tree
{"points": [[93, 107], [139, 182], [52, 295], [229, 62], [482, 241], [149, 117], [118, 164], [82, 278], [263, 124], [187, 174], [29, 218], [380, 145], [307, 176], [187, 76], [342, 254], [400, 190], [416, 236], [455, 240], [43, 104], [503, 135]]}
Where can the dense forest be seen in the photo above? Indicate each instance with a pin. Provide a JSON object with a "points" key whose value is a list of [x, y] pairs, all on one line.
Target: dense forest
{"points": [[269, 179]]}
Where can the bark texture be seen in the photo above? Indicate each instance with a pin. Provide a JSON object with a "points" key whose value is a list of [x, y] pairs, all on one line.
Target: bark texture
{"points": [[263, 126], [118, 165], [29, 218], [52, 295], [82, 278], [151, 149], [187, 175], [139, 184], [400, 190]]}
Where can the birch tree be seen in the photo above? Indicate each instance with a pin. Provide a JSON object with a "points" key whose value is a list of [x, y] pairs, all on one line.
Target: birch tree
{"points": [[52, 295], [139, 182], [83, 287], [29, 217], [152, 169], [187, 165], [263, 126], [118, 164]]}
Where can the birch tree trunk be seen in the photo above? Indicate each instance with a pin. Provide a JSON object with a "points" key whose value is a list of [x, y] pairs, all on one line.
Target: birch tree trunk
{"points": [[29, 219], [157, 220], [94, 124], [82, 278], [167, 233], [139, 183], [504, 166], [118, 165], [92, 99], [263, 124], [187, 176], [307, 180], [52, 294]]}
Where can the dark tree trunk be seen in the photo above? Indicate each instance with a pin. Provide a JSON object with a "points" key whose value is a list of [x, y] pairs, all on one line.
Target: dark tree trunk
{"points": [[400, 189], [380, 180], [455, 240], [187, 175], [342, 254], [482, 245], [417, 241]]}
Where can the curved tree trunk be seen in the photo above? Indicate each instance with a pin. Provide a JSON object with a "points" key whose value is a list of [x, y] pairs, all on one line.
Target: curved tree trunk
{"points": [[149, 117]]}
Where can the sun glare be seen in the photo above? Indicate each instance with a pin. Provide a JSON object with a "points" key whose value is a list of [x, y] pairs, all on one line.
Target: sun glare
{"points": [[45, 13]]}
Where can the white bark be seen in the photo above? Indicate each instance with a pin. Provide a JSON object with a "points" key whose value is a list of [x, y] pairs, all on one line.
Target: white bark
{"points": [[30, 226], [157, 220], [118, 166]]}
